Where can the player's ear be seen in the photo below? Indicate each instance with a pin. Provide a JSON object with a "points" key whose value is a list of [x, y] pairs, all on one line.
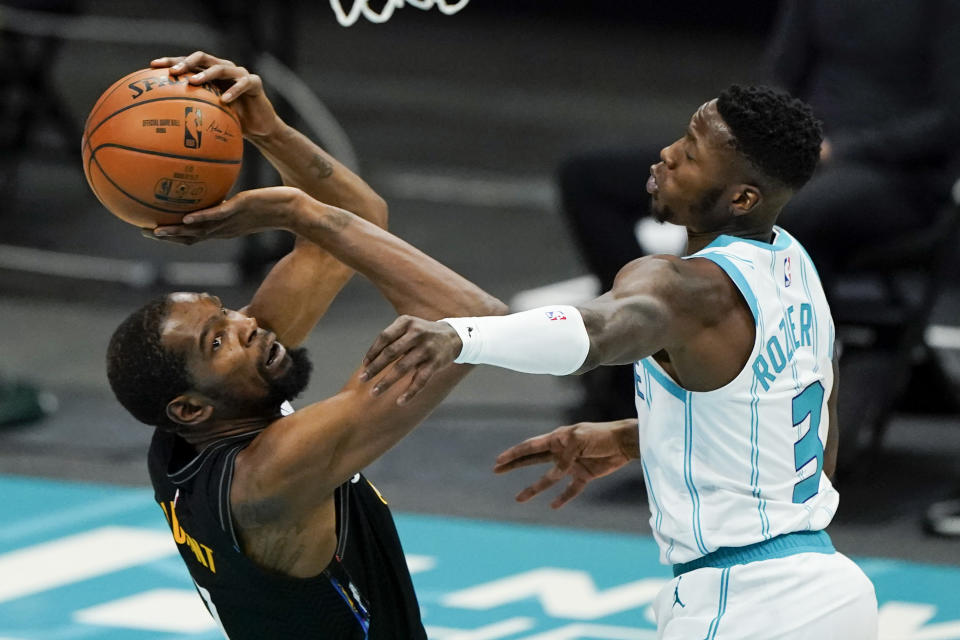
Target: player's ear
{"points": [[189, 409], [745, 198]]}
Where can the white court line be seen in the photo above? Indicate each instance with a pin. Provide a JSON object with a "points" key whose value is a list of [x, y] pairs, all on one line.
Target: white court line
{"points": [[221, 274], [165, 610], [135, 273], [502, 629], [419, 564], [79, 557], [96, 511], [598, 631], [939, 336], [71, 265], [469, 188]]}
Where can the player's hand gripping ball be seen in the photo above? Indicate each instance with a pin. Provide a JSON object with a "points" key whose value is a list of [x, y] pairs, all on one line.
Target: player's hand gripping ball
{"points": [[156, 147]]}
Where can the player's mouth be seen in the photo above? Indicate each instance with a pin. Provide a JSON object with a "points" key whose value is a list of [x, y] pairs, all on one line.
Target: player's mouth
{"points": [[653, 187], [274, 356]]}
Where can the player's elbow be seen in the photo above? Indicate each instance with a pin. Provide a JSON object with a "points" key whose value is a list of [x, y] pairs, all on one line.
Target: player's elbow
{"points": [[492, 306]]}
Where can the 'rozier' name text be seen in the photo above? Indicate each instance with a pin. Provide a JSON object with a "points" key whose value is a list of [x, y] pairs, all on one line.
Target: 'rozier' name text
{"points": [[781, 347]]}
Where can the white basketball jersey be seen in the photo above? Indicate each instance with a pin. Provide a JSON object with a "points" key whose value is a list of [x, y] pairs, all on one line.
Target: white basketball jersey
{"points": [[743, 463]]}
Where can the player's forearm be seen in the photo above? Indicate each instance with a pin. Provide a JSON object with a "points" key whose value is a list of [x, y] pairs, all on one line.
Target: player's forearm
{"points": [[412, 281], [628, 436], [303, 164], [624, 330], [561, 339]]}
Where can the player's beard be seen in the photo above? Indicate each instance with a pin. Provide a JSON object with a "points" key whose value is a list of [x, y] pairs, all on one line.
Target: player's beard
{"points": [[661, 213], [285, 387], [292, 383], [699, 211]]}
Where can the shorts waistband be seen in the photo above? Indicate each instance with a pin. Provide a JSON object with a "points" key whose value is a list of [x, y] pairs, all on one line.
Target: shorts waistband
{"points": [[781, 546]]}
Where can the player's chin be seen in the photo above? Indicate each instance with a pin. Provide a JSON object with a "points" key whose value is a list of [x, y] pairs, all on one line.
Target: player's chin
{"points": [[277, 370], [659, 212]]}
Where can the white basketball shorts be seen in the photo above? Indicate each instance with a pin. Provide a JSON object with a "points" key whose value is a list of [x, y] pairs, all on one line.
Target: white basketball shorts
{"points": [[806, 596]]}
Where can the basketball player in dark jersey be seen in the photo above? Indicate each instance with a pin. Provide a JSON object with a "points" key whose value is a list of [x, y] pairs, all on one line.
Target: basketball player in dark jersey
{"points": [[284, 538]]}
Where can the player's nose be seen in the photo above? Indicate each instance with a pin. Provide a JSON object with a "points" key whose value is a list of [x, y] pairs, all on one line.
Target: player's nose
{"points": [[666, 156], [249, 330]]}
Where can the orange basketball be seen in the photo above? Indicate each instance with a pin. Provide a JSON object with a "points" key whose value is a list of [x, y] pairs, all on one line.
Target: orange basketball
{"points": [[156, 147]]}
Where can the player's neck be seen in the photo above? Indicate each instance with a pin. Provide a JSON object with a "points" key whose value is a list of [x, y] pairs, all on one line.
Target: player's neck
{"points": [[697, 240], [220, 429]]}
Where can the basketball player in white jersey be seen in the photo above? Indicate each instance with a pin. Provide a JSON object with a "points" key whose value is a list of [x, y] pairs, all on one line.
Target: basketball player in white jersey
{"points": [[735, 385]]}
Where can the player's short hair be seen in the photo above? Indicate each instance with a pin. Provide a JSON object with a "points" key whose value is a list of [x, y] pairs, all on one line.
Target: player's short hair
{"points": [[143, 374], [776, 132]]}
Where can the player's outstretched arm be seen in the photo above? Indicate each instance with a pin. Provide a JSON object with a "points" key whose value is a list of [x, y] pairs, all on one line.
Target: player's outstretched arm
{"points": [[584, 452], [301, 286], [656, 303]]}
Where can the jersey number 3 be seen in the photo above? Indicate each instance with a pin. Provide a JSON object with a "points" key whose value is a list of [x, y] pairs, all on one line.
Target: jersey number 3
{"points": [[808, 403]]}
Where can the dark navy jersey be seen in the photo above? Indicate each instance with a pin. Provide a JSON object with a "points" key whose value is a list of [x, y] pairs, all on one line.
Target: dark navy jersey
{"points": [[365, 591]]}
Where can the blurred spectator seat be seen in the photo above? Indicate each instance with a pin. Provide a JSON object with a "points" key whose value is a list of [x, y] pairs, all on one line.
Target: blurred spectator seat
{"points": [[882, 334], [28, 98]]}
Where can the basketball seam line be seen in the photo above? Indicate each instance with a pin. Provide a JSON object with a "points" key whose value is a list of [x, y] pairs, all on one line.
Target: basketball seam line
{"points": [[163, 153], [109, 92], [90, 182], [134, 198], [131, 106]]}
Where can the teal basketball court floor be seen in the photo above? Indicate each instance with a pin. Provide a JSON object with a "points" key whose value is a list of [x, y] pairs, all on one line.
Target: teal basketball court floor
{"points": [[99, 562]]}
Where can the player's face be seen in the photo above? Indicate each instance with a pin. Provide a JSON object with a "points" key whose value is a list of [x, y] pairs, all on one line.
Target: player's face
{"points": [[230, 358], [687, 186]]}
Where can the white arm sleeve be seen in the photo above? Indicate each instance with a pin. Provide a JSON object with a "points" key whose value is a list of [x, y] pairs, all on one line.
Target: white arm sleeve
{"points": [[544, 340]]}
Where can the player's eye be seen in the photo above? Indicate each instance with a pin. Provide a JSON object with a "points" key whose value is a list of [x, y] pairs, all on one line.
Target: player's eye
{"points": [[217, 341]]}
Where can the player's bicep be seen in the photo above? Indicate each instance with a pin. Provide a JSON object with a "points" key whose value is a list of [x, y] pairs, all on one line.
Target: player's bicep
{"points": [[306, 455], [638, 317], [297, 292], [624, 330], [383, 423]]}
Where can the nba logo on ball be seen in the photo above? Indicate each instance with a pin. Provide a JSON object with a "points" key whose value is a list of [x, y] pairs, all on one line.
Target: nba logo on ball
{"points": [[787, 278], [192, 121]]}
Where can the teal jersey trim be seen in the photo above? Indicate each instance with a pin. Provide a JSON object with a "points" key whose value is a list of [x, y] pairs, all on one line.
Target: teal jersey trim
{"points": [[755, 460], [646, 475], [721, 606], [734, 273], [781, 546], [672, 387], [782, 241], [688, 471]]}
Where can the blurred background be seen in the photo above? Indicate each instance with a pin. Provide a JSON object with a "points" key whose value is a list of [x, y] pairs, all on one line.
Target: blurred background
{"points": [[462, 123]]}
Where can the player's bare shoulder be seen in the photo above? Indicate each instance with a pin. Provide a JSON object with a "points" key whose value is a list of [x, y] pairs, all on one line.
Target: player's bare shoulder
{"points": [[691, 287]]}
